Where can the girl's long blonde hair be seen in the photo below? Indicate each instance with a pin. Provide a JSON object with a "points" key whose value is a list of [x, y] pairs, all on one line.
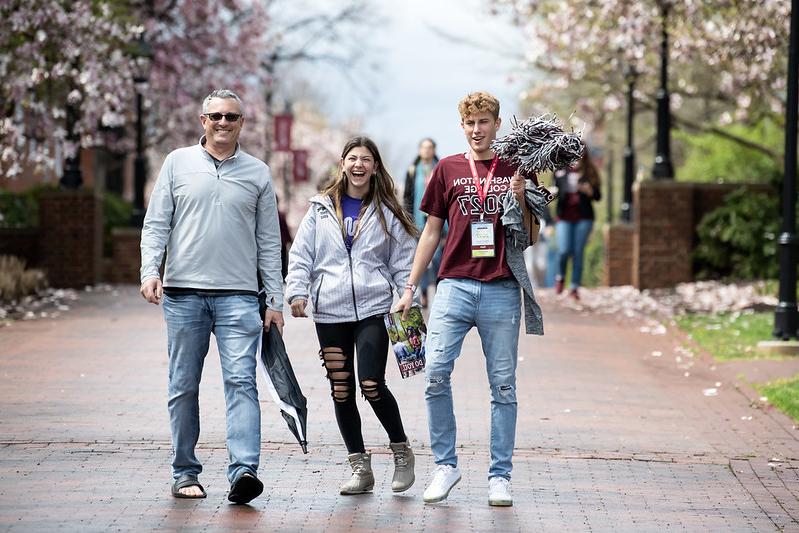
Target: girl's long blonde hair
{"points": [[381, 189]]}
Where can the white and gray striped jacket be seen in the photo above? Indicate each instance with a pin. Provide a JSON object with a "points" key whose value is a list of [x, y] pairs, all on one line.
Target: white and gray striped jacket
{"points": [[348, 286]]}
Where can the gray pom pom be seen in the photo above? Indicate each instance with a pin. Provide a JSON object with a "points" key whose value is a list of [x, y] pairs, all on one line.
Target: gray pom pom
{"points": [[538, 144]]}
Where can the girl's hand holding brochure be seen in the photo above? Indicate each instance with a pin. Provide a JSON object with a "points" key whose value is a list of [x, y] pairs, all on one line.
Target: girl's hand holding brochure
{"points": [[407, 335]]}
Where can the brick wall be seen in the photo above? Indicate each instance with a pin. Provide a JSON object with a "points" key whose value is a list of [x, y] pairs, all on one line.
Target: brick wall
{"points": [[618, 255], [655, 251], [664, 233], [70, 237], [21, 242], [126, 259]]}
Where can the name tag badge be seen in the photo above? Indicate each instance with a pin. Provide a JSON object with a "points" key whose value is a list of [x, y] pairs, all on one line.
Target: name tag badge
{"points": [[482, 239]]}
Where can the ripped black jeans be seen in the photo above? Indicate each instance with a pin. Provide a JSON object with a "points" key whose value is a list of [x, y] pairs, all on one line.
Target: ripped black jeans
{"points": [[367, 340]]}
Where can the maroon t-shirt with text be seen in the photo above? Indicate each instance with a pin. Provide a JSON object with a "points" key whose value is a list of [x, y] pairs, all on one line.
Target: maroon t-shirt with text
{"points": [[452, 196]]}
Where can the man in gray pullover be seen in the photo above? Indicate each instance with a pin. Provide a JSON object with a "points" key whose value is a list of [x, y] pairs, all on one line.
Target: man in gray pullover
{"points": [[213, 210]]}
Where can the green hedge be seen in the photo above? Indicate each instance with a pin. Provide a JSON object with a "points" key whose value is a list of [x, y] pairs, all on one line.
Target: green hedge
{"points": [[739, 239], [714, 159], [594, 257], [116, 213], [22, 210]]}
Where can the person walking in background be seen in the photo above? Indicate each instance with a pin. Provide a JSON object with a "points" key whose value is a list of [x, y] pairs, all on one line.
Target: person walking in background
{"points": [[477, 289], [213, 211], [352, 249], [578, 187], [285, 242], [416, 180]]}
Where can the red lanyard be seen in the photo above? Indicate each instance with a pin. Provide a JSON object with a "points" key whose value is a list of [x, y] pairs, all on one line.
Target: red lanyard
{"points": [[482, 192]]}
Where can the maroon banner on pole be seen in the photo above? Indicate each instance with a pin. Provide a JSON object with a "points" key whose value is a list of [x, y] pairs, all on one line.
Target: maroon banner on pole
{"points": [[283, 132], [300, 165]]}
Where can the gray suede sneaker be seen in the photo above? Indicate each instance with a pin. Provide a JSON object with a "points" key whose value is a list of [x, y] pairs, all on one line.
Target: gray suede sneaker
{"points": [[403, 466], [362, 479]]}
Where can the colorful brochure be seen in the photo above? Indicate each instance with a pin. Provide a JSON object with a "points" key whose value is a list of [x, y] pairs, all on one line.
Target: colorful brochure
{"points": [[407, 340]]}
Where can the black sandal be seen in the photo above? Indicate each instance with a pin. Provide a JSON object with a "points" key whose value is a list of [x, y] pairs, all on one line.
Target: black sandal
{"points": [[245, 488], [187, 481]]}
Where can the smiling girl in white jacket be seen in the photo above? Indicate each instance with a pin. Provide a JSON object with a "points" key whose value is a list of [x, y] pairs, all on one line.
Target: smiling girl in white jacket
{"points": [[355, 247]]}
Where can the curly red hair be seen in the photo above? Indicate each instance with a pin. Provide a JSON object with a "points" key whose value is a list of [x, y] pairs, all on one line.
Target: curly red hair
{"points": [[479, 102]]}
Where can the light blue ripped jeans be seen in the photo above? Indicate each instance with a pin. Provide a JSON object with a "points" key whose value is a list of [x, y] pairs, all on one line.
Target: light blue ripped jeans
{"points": [[495, 308], [236, 324]]}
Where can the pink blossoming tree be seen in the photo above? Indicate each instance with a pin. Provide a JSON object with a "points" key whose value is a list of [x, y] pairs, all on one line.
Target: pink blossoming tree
{"points": [[727, 60]]}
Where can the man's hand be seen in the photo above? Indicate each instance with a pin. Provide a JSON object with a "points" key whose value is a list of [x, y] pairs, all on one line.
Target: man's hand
{"points": [[405, 303], [273, 317], [517, 186], [152, 290], [298, 308]]}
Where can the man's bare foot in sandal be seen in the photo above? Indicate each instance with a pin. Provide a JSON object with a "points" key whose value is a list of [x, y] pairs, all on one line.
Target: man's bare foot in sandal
{"points": [[187, 487], [192, 491]]}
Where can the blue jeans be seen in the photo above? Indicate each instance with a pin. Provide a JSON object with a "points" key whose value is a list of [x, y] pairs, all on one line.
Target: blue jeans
{"points": [[572, 238], [236, 324], [495, 308]]}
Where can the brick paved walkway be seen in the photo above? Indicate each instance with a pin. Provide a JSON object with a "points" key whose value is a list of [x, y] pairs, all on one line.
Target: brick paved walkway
{"points": [[610, 436]]}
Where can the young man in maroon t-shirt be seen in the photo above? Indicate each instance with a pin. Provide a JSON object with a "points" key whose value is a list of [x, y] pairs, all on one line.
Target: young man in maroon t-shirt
{"points": [[477, 288]]}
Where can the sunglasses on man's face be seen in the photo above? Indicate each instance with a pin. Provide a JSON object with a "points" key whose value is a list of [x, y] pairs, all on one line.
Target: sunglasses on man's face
{"points": [[216, 117]]}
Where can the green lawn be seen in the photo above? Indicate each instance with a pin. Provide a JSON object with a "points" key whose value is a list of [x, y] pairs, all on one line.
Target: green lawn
{"points": [[729, 335], [735, 336], [783, 394]]}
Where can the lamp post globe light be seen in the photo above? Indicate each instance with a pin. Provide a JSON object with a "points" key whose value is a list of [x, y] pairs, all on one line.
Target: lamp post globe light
{"points": [[663, 168], [785, 317], [72, 177], [144, 57]]}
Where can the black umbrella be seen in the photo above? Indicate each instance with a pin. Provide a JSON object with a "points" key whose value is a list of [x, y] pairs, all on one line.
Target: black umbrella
{"points": [[283, 384]]}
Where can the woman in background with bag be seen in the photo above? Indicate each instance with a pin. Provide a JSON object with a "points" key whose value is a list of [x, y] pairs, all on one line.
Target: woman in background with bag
{"points": [[353, 248], [578, 188], [416, 180]]}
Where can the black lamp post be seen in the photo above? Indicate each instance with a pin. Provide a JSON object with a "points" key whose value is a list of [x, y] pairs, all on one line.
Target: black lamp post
{"points": [[663, 168], [630, 76], [610, 181], [72, 178], [785, 317], [144, 56], [288, 111], [269, 66]]}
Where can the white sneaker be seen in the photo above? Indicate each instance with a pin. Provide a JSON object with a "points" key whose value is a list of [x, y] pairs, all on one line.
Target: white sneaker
{"points": [[499, 492], [444, 478]]}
